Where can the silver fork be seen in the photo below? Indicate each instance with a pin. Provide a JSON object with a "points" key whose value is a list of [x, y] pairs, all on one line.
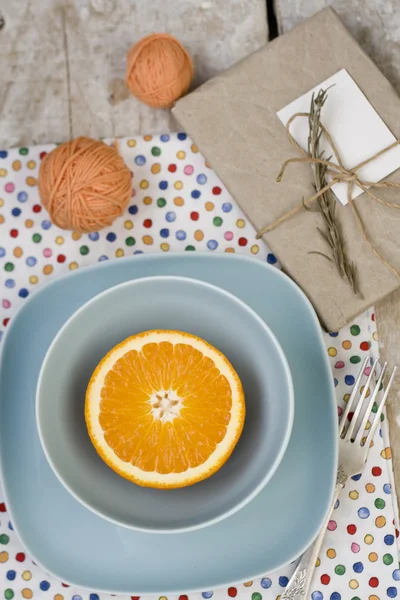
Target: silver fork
{"points": [[354, 445]]}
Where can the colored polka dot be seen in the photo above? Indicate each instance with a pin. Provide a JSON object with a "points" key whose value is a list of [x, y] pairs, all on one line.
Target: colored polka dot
{"points": [[256, 596], [31, 164], [201, 179], [164, 247], [358, 567], [29, 223], [332, 351], [111, 237], [11, 575], [119, 253], [18, 252], [212, 244], [380, 503], [355, 330], [131, 143], [9, 187], [156, 151], [47, 269], [391, 592], [255, 249], [3, 556], [387, 559], [148, 240], [36, 238], [389, 539], [31, 181], [2, 252], [73, 265], [335, 596], [372, 557], [26, 575], [59, 240], [23, 151], [209, 206], [140, 160], [147, 200], [170, 216], [317, 595], [374, 582], [217, 221], [331, 553], [96, 597], [353, 584], [144, 184], [3, 172], [198, 235], [128, 224], [14, 233], [317, 562], [33, 279], [232, 592], [325, 579], [4, 539], [368, 539], [16, 212], [180, 235], [207, 594], [190, 248], [353, 495], [178, 201], [178, 185], [380, 522], [376, 471], [386, 453], [332, 525], [228, 235], [182, 136], [242, 241], [188, 170], [370, 488], [396, 574], [349, 380], [351, 529], [283, 581], [133, 209], [340, 569], [161, 202], [84, 250], [195, 194], [156, 168], [9, 594], [266, 583], [130, 241]]}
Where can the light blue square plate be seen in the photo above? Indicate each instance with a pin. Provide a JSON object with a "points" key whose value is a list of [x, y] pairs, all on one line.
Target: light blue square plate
{"points": [[85, 550]]}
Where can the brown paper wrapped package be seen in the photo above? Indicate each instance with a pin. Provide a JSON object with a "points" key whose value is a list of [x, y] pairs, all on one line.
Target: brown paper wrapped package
{"points": [[233, 120]]}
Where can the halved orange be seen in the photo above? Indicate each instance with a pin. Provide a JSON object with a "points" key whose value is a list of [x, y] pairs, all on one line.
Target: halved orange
{"points": [[164, 409]]}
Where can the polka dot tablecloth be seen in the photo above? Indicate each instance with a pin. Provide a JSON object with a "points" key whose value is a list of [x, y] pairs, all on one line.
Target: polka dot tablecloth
{"points": [[178, 203]]}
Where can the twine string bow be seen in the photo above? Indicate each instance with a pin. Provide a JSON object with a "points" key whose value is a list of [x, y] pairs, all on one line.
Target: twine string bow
{"points": [[339, 174]]}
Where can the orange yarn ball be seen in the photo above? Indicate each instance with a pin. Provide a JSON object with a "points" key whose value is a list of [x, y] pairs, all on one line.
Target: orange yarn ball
{"points": [[158, 70], [84, 185]]}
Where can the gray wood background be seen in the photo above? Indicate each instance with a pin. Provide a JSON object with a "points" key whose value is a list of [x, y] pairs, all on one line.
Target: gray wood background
{"points": [[62, 68]]}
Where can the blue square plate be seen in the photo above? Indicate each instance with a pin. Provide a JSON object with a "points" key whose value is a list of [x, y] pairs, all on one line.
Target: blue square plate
{"points": [[83, 549]]}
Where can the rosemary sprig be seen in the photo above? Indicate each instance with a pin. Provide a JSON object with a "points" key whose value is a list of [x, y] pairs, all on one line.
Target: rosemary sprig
{"points": [[332, 233]]}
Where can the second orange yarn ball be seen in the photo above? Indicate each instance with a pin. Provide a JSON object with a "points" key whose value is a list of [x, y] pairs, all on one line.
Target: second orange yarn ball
{"points": [[158, 70]]}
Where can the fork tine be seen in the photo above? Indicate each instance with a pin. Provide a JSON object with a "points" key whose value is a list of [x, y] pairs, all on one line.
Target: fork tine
{"points": [[350, 430], [377, 419], [350, 401], [368, 412]]}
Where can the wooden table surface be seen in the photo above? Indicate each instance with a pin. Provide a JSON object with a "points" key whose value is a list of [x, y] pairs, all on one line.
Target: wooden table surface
{"points": [[62, 67]]}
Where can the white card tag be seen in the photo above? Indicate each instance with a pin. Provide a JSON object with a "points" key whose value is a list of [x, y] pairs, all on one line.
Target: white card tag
{"points": [[356, 129]]}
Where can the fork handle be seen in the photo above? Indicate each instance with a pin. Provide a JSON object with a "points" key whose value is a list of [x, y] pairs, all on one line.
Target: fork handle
{"points": [[299, 584]]}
